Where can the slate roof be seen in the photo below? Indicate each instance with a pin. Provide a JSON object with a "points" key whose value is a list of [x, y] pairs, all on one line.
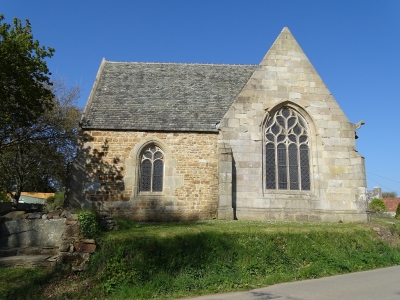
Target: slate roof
{"points": [[163, 96]]}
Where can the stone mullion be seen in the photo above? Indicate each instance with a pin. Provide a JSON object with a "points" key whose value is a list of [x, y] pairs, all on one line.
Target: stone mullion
{"points": [[287, 143], [276, 165], [287, 166], [299, 164], [298, 155], [151, 172]]}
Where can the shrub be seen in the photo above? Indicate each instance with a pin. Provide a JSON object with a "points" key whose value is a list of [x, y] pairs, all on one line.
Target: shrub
{"points": [[53, 201], [50, 200], [88, 223], [4, 197], [377, 205], [398, 211]]}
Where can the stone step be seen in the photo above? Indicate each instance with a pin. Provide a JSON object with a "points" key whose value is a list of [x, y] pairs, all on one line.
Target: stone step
{"points": [[29, 261], [6, 252]]}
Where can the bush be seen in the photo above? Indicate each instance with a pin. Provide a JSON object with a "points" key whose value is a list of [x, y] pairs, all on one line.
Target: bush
{"points": [[377, 205], [53, 201], [50, 200], [398, 211], [4, 197], [88, 223]]}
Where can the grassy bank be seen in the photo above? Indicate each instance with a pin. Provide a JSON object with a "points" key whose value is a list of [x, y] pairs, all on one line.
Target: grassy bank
{"points": [[163, 261]]}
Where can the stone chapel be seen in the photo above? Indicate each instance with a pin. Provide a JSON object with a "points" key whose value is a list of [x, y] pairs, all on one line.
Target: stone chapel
{"points": [[172, 141]]}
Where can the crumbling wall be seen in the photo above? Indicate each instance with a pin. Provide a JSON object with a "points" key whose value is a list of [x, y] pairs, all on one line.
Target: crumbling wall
{"points": [[56, 234]]}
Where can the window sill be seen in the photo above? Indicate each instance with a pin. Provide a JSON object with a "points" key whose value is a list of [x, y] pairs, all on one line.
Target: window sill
{"points": [[151, 194], [287, 192]]}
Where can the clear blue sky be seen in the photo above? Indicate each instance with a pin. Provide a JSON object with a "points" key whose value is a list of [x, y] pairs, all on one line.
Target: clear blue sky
{"points": [[354, 45]]}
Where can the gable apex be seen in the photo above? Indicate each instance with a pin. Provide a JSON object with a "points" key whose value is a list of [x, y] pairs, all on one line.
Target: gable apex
{"points": [[285, 75], [285, 47]]}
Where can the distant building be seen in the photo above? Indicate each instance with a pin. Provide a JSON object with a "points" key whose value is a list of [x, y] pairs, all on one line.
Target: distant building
{"points": [[33, 197], [375, 193]]}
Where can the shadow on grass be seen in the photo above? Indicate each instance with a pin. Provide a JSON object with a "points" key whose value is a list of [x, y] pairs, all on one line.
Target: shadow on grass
{"points": [[181, 259], [23, 283], [172, 260]]}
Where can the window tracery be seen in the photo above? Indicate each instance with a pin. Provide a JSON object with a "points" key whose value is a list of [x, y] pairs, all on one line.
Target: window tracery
{"points": [[287, 151], [152, 169]]}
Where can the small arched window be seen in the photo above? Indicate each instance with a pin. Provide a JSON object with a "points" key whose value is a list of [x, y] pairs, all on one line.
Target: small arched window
{"points": [[152, 169], [287, 151]]}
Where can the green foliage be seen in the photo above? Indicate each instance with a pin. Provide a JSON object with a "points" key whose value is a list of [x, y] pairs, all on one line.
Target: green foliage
{"points": [[24, 77], [38, 116], [4, 197], [398, 211], [175, 260], [54, 201], [88, 223], [186, 259], [117, 272], [50, 200], [377, 205], [40, 163], [389, 195]]}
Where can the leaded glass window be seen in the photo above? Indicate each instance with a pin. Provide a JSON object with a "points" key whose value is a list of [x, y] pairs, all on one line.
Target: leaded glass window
{"points": [[287, 152], [152, 170]]}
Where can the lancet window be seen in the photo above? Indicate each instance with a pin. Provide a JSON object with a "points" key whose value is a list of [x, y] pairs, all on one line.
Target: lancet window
{"points": [[152, 169], [287, 151]]}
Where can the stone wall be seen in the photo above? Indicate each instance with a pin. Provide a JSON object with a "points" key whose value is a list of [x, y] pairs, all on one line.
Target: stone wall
{"points": [[286, 78], [54, 236], [30, 230], [106, 175]]}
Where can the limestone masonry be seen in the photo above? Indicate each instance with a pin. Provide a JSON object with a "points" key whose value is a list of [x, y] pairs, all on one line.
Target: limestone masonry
{"points": [[166, 142]]}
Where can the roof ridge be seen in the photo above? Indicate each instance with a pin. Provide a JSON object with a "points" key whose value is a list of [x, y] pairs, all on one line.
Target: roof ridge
{"points": [[172, 63]]}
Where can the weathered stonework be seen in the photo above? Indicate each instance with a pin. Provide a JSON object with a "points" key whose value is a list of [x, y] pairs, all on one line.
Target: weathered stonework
{"points": [[286, 78], [210, 122], [43, 239], [190, 181]]}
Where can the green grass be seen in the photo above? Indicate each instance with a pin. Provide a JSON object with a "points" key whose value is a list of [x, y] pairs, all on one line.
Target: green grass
{"points": [[19, 283], [172, 260]]}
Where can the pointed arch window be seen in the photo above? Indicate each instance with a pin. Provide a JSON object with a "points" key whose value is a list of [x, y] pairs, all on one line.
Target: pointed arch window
{"points": [[152, 169], [287, 151]]}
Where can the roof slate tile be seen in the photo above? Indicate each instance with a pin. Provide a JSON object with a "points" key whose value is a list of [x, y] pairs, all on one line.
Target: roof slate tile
{"points": [[164, 96]]}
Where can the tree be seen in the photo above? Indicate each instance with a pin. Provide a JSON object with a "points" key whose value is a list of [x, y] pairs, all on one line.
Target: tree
{"points": [[39, 162], [24, 90], [377, 205], [389, 195], [38, 120]]}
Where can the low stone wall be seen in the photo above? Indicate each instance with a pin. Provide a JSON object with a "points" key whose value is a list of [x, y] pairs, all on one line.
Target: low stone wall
{"points": [[56, 233], [5, 207], [386, 214], [32, 233]]}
